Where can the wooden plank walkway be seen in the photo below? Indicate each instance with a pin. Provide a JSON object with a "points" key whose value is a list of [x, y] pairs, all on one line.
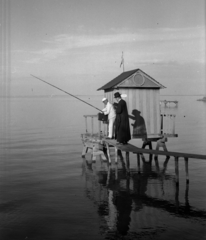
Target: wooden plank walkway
{"points": [[139, 151], [134, 149], [98, 144]]}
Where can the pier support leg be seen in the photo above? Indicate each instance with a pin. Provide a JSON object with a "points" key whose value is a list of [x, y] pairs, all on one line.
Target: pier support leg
{"points": [[177, 170], [186, 170], [93, 154], [119, 152], [116, 155], [108, 175], [127, 162], [138, 162], [186, 198], [116, 172], [177, 195], [108, 153], [157, 164], [84, 151], [147, 143]]}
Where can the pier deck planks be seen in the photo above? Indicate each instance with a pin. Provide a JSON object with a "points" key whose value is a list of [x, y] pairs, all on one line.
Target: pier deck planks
{"points": [[134, 149]]}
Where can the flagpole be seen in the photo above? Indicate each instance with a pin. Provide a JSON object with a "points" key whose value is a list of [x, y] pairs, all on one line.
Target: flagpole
{"points": [[122, 62]]}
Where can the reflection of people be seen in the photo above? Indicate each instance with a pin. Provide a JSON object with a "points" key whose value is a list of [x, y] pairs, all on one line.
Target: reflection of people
{"points": [[109, 110], [122, 120], [123, 202]]}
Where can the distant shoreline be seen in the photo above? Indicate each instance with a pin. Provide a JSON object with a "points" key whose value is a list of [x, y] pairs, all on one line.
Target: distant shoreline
{"points": [[98, 95], [202, 99]]}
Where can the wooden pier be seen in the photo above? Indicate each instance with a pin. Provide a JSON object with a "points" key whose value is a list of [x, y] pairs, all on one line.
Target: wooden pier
{"points": [[167, 103], [108, 148]]}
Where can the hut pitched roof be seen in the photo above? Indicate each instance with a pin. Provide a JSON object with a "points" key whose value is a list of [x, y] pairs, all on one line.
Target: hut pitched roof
{"points": [[134, 79]]}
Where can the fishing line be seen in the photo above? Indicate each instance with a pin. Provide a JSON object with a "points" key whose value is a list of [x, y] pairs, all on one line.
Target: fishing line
{"points": [[66, 92]]}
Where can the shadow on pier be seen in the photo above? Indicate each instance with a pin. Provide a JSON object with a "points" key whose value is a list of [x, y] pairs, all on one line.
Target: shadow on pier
{"points": [[139, 203]]}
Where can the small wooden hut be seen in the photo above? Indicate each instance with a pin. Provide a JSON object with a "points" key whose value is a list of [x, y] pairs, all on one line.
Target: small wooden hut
{"points": [[142, 100]]}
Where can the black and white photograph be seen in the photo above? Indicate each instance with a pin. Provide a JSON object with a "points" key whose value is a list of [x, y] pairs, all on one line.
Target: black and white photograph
{"points": [[103, 119]]}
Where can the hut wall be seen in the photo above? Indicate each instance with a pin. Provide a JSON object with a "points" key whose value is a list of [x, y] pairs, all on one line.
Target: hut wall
{"points": [[143, 108]]}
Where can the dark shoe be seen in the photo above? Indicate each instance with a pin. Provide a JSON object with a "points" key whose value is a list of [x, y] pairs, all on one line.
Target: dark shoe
{"points": [[108, 138]]}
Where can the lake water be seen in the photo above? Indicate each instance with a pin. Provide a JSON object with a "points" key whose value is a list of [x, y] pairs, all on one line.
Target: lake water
{"points": [[49, 192]]}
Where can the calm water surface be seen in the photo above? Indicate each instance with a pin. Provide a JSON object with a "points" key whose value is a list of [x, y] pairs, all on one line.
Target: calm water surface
{"points": [[49, 192]]}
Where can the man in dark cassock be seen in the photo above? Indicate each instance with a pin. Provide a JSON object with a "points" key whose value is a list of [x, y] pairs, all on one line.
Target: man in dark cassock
{"points": [[122, 120]]}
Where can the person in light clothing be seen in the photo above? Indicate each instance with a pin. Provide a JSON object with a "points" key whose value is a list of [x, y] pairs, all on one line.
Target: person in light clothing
{"points": [[109, 110]]}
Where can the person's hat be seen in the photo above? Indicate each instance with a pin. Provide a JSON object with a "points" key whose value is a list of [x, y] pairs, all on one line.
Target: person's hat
{"points": [[104, 99], [117, 94]]}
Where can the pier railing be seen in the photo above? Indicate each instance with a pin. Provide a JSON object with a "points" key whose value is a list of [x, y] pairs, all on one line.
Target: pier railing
{"points": [[167, 125], [100, 131]]}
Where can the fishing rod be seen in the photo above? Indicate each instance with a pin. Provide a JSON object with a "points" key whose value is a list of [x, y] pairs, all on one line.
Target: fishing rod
{"points": [[66, 92]]}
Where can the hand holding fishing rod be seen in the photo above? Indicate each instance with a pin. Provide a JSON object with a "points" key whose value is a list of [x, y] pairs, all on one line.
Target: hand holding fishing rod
{"points": [[66, 92]]}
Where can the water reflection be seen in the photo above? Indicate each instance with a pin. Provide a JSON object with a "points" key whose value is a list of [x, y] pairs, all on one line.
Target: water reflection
{"points": [[136, 203]]}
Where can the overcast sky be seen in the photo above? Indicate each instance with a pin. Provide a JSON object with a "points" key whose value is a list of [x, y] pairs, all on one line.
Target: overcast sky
{"points": [[77, 44]]}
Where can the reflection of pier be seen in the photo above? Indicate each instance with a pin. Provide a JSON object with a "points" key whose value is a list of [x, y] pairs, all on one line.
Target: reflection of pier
{"points": [[132, 204]]}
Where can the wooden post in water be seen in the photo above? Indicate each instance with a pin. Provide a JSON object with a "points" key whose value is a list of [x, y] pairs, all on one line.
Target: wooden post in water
{"points": [[138, 162], [177, 170], [186, 170], [108, 175], [108, 153], [116, 172], [177, 195], [127, 162], [116, 154]]}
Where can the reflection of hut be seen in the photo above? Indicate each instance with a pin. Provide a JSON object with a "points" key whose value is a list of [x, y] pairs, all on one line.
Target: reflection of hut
{"points": [[142, 100]]}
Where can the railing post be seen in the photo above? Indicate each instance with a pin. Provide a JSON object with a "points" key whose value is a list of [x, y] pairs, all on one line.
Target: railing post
{"points": [[173, 125], [99, 128], [104, 128], [92, 121], [161, 124], [86, 123]]}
